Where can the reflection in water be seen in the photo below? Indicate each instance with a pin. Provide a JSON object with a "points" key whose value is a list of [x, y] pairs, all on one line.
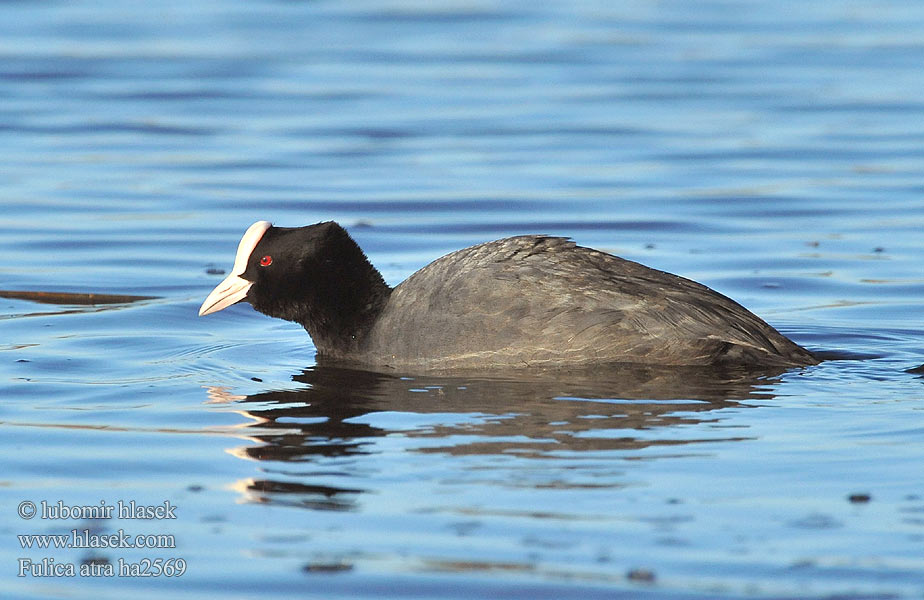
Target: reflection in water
{"points": [[288, 493], [342, 412]]}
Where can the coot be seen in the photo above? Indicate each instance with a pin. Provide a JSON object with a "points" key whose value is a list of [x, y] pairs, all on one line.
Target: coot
{"points": [[522, 301]]}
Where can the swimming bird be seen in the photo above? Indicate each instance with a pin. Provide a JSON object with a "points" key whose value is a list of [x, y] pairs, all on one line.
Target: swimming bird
{"points": [[524, 301]]}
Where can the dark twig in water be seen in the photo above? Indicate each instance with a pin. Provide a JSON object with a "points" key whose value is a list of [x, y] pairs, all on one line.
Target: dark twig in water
{"points": [[73, 298]]}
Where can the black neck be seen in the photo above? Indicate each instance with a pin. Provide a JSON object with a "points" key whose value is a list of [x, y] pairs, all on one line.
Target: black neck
{"points": [[344, 300]]}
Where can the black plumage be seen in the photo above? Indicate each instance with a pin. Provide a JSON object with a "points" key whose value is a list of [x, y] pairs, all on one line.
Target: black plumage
{"points": [[517, 302]]}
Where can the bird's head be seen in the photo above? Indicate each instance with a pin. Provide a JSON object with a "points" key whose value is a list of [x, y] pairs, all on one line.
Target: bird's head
{"points": [[314, 275]]}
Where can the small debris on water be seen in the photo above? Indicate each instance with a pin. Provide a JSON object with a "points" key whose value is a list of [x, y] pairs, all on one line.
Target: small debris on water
{"points": [[327, 567], [641, 575]]}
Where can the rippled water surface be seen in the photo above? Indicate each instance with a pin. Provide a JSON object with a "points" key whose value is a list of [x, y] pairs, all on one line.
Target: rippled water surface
{"points": [[770, 150]]}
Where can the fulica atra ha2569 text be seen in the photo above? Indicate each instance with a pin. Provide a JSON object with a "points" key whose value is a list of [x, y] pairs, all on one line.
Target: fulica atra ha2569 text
{"points": [[521, 301]]}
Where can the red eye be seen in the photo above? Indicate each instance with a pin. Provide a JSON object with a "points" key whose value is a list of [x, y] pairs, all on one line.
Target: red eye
{"points": [[266, 261]]}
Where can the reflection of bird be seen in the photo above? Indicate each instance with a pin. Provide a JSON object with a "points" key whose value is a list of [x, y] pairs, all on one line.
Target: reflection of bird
{"points": [[520, 301], [335, 415], [328, 430]]}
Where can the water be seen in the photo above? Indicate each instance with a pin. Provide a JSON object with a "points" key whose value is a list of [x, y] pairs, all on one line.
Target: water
{"points": [[769, 150]]}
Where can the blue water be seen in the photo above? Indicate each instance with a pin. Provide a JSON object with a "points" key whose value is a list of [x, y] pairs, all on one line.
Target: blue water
{"points": [[772, 151]]}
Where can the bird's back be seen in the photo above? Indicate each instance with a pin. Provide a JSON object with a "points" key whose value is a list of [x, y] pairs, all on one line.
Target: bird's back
{"points": [[537, 300]]}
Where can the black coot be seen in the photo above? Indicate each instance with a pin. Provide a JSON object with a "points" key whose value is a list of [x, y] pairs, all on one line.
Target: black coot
{"points": [[517, 302]]}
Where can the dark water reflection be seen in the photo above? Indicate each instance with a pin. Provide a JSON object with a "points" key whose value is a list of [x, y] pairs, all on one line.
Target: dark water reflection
{"points": [[552, 414]]}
